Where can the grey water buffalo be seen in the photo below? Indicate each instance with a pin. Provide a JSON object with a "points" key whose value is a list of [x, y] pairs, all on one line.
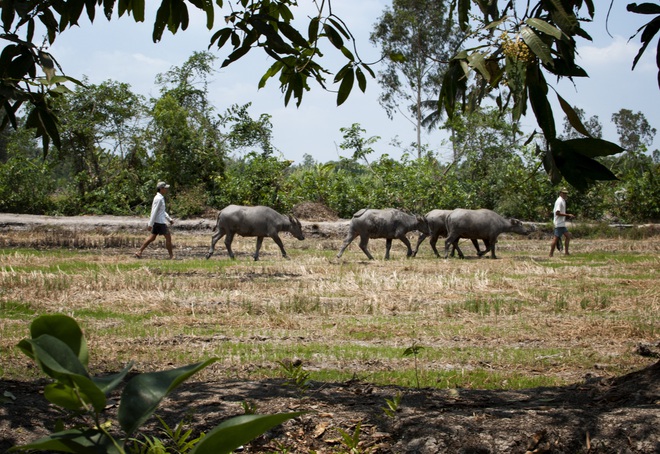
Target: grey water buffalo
{"points": [[388, 223], [259, 221], [479, 224], [437, 220]]}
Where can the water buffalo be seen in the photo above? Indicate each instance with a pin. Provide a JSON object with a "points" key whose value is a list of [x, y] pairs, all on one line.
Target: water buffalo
{"points": [[437, 220], [388, 223], [479, 224], [259, 221]]}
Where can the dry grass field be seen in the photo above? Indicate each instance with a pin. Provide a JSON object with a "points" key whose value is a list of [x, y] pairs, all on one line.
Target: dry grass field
{"points": [[510, 355]]}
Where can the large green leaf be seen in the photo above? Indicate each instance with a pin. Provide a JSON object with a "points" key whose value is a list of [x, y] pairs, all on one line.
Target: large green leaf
{"points": [[65, 329], [238, 431], [110, 382], [90, 441], [143, 393], [85, 393], [54, 357]]}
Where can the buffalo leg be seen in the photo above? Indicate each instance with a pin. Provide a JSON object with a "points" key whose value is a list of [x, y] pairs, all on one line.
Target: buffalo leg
{"points": [[489, 248], [214, 240], [434, 241], [476, 246], [422, 237], [364, 240], [388, 246], [454, 242], [349, 238], [449, 240], [260, 240], [278, 241], [228, 239], [405, 241], [458, 249]]}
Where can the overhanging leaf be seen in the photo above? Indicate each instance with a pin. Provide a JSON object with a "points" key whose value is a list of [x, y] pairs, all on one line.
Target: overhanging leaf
{"points": [[593, 148], [549, 166], [346, 86], [362, 80], [536, 45], [334, 37], [572, 116], [644, 8], [477, 60], [544, 27], [577, 169], [538, 98]]}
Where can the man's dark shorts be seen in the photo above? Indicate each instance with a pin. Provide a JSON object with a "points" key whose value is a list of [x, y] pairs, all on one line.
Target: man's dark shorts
{"points": [[559, 231], [159, 229]]}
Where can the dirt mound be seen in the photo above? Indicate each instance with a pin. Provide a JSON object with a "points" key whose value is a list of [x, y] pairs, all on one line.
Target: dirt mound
{"points": [[314, 211]]}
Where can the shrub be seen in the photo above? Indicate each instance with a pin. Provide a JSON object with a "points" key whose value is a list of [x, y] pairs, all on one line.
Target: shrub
{"points": [[59, 348]]}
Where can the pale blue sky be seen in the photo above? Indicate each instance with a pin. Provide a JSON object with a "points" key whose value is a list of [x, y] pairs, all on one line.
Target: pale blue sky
{"points": [[123, 50]]}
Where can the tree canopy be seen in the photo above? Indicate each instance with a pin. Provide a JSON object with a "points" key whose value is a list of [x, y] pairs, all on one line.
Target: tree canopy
{"points": [[518, 46]]}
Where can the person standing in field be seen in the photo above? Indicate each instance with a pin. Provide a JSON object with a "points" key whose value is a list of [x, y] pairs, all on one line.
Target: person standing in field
{"points": [[559, 221], [158, 221]]}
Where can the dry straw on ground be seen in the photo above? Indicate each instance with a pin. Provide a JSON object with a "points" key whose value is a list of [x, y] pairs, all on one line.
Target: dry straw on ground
{"points": [[563, 320]]}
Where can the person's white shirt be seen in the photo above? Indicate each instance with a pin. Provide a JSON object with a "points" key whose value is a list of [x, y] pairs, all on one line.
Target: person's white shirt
{"points": [[158, 214], [560, 206]]}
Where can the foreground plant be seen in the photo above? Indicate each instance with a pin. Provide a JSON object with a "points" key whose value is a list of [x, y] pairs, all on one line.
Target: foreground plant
{"points": [[58, 347]]}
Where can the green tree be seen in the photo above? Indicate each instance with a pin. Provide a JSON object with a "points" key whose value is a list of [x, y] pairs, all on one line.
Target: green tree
{"points": [[635, 132], [186, 143], [101, 135], [354, 141], [417, 38], [244, 132], [518, 44], [485, 144]]}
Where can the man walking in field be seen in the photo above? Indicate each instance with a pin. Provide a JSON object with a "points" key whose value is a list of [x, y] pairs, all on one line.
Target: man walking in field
{"points": [[158, 221], [559, 221]]}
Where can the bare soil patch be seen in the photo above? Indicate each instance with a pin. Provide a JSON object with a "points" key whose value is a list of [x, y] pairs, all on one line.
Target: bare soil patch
{"points": [[597, 414]]}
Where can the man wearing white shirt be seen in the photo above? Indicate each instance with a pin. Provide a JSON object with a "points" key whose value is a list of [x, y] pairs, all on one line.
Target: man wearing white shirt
{"points": [[559, 221], [158, 221]]}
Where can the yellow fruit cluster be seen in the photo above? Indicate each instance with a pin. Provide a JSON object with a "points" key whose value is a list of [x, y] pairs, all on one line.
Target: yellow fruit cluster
{"points": [[516, 49]]}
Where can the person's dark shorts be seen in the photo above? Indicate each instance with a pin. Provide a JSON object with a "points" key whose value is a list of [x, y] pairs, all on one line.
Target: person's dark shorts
{"points": [[559, 231], [159, 229]]}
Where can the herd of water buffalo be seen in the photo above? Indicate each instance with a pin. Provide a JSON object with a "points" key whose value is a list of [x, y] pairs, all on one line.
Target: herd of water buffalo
{"points": [[262, 221]]}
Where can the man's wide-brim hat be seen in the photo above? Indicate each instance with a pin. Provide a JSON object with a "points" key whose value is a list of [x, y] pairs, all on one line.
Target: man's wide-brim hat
{"points": [[161, 185], [563, 191]]}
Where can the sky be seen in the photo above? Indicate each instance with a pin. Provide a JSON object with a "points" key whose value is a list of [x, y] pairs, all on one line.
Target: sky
{"points": [[122, 50]]}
